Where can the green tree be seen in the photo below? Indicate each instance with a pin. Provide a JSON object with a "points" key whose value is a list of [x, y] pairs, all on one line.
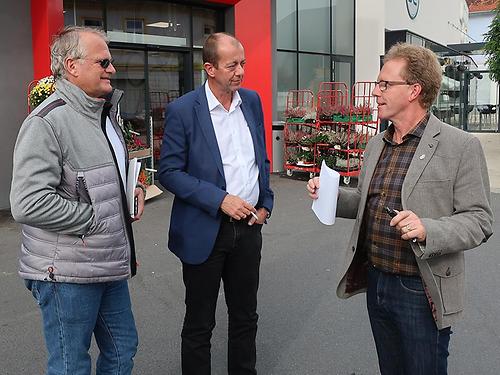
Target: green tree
{"points": [[492, 46]]}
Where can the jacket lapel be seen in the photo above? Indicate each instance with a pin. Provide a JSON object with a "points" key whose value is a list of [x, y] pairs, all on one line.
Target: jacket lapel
{"points": [[370, 165], [252, 125], [423, 154], [205, 122]]}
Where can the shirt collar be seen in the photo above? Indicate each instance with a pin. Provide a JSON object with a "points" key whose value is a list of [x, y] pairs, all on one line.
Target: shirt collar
{"points": [[213, 102], [417, 131]]}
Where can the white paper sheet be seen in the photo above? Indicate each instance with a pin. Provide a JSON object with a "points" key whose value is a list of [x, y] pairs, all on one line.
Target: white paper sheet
{"points": [[134, 167], [325, 206]]}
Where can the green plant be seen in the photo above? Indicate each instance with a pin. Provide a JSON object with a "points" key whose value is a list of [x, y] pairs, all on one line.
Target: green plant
{"points": [[305, 156], [492, 46], [329, 158]]}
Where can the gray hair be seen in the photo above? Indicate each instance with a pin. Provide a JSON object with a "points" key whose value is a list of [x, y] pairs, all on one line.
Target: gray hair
{"points": [[66, 45]]}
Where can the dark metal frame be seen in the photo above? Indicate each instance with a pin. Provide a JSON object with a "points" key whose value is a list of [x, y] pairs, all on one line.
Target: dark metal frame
{"points": [[332, 57]]}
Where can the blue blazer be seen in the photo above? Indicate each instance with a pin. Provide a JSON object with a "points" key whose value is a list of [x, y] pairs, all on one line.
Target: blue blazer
{"points": [[191, 168]]}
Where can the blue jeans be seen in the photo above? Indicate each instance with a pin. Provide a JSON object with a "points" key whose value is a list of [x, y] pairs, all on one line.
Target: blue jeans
{"points": [[72, 312], [406, 336]]}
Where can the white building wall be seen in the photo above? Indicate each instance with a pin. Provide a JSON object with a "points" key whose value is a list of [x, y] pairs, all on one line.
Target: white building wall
{"points": [[439, 20], [479, 24], [369, 42]]}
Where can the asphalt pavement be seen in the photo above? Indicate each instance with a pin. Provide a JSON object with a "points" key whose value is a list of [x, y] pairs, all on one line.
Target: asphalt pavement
{"points": [[303, 327]]}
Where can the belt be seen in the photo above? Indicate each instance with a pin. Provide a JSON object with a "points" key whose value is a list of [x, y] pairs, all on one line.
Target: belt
{"points": [[229, 219]]}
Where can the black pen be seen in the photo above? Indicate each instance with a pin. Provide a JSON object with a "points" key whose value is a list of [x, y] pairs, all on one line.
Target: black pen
{"points": [[390, 211], [393, 213]]}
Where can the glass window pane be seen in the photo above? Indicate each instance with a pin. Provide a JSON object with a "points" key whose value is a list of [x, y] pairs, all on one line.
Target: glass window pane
{"points": [[83, 13], [199, 73], [148, 22], [165, 74], [342, 73], [343, 27], [204, 24], [286, 24], [314, 25], [313, 69], [130, 78], [287, 79]]}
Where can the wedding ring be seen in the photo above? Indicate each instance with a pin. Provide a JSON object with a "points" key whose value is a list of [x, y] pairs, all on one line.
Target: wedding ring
{"points": [[408, 229]]}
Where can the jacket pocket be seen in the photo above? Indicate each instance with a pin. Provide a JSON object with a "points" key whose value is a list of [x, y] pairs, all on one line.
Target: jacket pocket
{"points": [[450, 277]]}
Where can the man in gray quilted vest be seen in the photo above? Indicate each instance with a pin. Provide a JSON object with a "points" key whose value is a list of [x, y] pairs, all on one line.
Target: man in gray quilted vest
{"points": [[68, 191]]}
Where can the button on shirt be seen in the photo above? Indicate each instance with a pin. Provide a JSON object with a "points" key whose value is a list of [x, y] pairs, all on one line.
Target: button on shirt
{"points": [[235, 147]]}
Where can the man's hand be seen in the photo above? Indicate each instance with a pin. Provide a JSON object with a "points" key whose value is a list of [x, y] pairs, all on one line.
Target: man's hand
{"points": [[139, 193], [312, 187], [410, 226], [236, 207], [261, 214]]}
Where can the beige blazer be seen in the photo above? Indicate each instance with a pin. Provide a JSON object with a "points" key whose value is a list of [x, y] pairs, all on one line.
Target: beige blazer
{"points": [[447, 186]]}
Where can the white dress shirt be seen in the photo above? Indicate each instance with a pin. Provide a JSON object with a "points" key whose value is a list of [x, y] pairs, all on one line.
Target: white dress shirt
{"points": [[118, 149], [236, 147]]}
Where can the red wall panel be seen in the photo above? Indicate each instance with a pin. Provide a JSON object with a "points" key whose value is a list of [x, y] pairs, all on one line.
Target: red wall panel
{"points": [[46, 20], [253, 29]]}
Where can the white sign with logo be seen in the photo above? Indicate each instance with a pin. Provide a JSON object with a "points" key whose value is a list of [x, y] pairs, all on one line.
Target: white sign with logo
{"points": [[412, 6]]}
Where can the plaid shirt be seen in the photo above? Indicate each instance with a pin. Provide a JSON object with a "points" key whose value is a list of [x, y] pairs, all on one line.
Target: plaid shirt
{"points": [[383, 244]]}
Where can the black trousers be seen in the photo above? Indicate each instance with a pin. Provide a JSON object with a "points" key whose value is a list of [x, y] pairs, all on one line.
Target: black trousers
{"points": [[235, 260]]}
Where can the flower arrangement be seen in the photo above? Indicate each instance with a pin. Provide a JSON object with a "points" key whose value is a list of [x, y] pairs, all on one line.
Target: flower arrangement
{"points": [[131, 139], [144, 177], [41, 91], [295, 114], [361, 113]]}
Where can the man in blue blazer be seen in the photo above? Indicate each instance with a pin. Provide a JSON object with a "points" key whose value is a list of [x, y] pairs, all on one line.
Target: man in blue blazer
{"points": [[213, 159]]}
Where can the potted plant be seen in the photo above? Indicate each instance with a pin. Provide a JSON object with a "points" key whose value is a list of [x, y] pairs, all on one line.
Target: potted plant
{"points": [[310, 116], [295, 114], [325, 113], [305, 158], [329, 157], [41, 91], [361, 113], [341, 113]]}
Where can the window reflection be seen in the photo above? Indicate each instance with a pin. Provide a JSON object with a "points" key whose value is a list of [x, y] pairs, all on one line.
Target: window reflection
{"points": [[148, 22]]}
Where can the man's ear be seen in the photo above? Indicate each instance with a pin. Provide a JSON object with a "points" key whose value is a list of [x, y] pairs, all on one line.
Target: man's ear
{"points": [[415, 92], [209, 68], [71, 67]]}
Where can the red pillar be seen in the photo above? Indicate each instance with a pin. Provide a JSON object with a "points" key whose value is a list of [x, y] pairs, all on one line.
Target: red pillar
{"points": [[46, 20], [253, 29]]}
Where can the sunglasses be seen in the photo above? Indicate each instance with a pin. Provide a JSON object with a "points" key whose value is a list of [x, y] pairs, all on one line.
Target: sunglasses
{"points": [[104, 63]]}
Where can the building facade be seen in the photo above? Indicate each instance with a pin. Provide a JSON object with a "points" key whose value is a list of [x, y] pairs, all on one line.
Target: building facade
{"points": [[156, 44]]}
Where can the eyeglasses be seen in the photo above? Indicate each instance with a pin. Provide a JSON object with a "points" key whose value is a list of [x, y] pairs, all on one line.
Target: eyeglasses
{"points": [[384, 85]]}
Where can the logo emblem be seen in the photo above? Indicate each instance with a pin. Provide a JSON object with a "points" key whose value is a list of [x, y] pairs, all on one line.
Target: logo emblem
{"points": [[412, 7]]}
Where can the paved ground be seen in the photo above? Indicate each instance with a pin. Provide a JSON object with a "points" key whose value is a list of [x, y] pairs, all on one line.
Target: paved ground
{"points": [[304, 329]]}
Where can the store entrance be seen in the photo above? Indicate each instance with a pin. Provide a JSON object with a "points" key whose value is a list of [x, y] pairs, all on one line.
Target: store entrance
{"points": [[150, 80]]}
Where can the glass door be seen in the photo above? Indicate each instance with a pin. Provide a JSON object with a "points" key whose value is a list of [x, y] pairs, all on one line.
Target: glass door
{"points": [[130, 77], [166, 83]]}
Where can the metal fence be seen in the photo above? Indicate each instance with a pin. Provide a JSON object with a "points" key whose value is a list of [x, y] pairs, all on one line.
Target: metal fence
{"points": [[469, 100]]}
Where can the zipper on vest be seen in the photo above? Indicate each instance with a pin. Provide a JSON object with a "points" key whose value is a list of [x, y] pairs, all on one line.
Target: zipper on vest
{"points": [[80, 177], [80, 180]]}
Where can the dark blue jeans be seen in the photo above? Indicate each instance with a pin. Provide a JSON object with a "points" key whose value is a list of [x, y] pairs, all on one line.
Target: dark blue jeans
{"points": [[406, 336], [235, 260], [73, 312]]}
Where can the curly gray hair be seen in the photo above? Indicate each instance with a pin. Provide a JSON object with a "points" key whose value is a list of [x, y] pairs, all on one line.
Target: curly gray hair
{"points": [[66, 45]]}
